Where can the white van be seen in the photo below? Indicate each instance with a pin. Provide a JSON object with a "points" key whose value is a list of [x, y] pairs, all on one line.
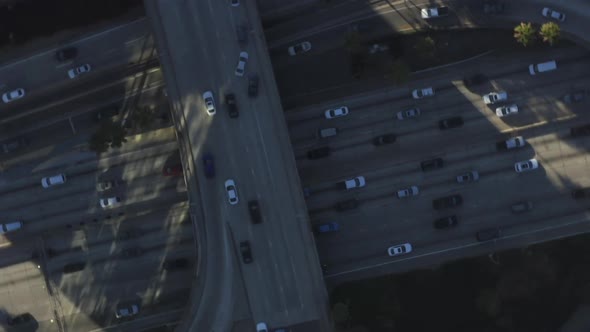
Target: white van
{"points": [[542, 67], [10, 227], [49, 181]]}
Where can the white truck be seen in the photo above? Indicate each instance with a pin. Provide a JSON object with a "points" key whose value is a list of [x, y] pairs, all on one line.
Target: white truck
{"points": [[434, 12]]}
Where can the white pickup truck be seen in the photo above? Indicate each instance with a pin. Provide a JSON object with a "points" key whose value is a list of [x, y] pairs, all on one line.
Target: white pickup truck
{"points": [[434, 12]]}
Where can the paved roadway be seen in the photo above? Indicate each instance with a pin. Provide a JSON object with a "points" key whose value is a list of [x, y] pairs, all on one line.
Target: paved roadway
{"points": [[197, 45], [65, 225], [359, 249]]}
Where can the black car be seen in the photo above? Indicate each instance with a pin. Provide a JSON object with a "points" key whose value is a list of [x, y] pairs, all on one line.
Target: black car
{"points": [[130, 234], [347, 205], [246, 252], [580, 193], [175, 264], [446, 222], [454, 122], [14, 144], [488, 234], [318, 153], [242, 33], [65, 54], [447, 202], [232, 106], [254, 209], [384, 139], [131, 252], [253, 85], [20, 319], [521, 207], [493, 7], [432, 164], [74, 267], [474, 80], [580, 131], [209, 165], [107, 113], [576, 96]]}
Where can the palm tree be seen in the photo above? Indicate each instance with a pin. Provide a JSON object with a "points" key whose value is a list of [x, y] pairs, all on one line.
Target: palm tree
{"points": [[550, 32], [524, 34]]}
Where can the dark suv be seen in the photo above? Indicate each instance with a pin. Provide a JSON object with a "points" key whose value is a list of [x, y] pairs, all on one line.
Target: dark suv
{"points": [[447, 202], [446, 222], [347, 205], [318, 153], [384, 139], [253, 85], [488, 234], [580, 193], [175, 264], [74, 267], [246, 252], [454, 122], [232, 105], [475, 79], [254, 209], [580, 131], [14, 144], [432, 164], [66, 54]]}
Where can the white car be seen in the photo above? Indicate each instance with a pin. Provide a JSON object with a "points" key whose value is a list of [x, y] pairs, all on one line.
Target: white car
{"points": [[494, 97], [209, 102], [74, 72], [357, 182], [526, 165], [235, 3], [506, 110], [400, 249], [261, 327], [13, 95], [109, 202], [411, 113], [232, 191], [424, 92], [336, 112], [241, 67], [299, 48], [408, 192], [550, 13]]}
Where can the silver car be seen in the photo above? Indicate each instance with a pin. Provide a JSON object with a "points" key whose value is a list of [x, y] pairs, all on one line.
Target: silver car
{"points": [[232, 191], [13, 95], [127, 310], [299, 48], [336, 112], [241, 67], [408, 192], [400, 249], [75, 72], [471, 176], [411, 113], [526, 165], [209, 102], [109, 202]]}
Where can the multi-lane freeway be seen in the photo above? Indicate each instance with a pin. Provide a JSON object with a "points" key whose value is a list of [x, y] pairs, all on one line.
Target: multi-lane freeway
{"points": [[171, 250]]}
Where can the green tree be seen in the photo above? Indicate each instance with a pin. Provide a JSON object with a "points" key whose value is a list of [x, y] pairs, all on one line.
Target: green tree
{"points": [[108, 135], [550, 32], [525, 34], [399, 71], [341, 314], [144, 117], [352, 42], [425, 47]]}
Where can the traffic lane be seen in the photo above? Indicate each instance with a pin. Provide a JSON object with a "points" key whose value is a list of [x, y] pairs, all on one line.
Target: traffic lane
{"points": [[490, 125], [537, 181], [261, 176], [113, 47], [99, 91]]}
